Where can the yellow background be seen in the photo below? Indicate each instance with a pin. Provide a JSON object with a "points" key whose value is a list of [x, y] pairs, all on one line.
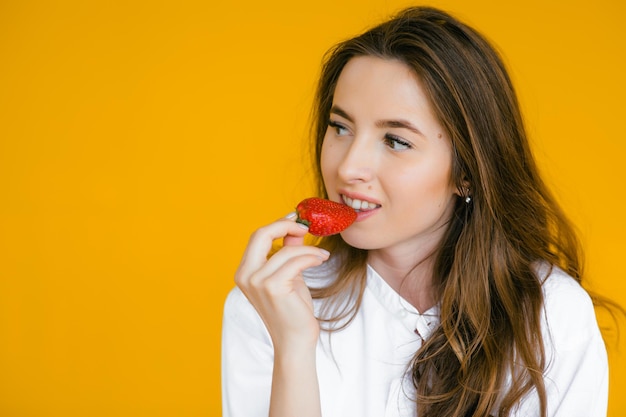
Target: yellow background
{"points": [[141, 142]]}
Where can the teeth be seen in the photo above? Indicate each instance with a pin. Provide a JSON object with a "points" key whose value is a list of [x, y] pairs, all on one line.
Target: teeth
{"points": [[359, 204]]}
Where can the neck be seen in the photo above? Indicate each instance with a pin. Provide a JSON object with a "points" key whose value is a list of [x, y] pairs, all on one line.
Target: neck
{"points": [[409, 276]]}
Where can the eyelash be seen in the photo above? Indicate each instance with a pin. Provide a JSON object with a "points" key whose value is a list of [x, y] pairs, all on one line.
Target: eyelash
{"points": [[390, 140], [336, 126]]}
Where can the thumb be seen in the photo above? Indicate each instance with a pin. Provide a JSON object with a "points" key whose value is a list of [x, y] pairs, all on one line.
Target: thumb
{"points": [[295, 239], [291, 240]]}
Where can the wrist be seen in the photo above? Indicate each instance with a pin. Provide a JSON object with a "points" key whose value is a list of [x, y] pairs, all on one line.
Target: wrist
{"points": [[295, 387], [295, 354]]}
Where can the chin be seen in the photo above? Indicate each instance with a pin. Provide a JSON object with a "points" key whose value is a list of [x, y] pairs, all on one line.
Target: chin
{"points": [[357, 240]]}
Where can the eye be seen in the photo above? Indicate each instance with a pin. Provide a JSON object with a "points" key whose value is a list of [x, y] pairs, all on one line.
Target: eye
{"points": [[396, 143], [340, 130]]}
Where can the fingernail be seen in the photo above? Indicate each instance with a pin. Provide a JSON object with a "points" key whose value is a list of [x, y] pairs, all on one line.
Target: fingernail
{"points": [[302, 225], [291, 215], [325, 252]]}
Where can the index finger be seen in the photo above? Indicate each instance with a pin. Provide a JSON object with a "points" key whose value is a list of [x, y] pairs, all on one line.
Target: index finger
{"points": [[294, 240], [260, 242]]}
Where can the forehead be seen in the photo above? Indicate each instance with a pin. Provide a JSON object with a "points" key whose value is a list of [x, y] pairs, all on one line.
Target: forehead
{"points": [[381, 71], [386, 77], [383, 89]]}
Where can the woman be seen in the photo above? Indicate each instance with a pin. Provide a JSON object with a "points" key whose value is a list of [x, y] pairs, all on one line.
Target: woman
{"points": [[457, 290]]}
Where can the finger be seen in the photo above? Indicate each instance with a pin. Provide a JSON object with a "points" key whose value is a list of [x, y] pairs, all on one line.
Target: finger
{"points": [[287, 253], [290, 255], [291, 216], [291, 240], [260, 243], [284, 279], [261, 240], [303, 291]]}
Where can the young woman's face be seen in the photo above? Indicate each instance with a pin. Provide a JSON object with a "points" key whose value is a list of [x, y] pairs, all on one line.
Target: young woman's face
{"points": [[386, 155]]}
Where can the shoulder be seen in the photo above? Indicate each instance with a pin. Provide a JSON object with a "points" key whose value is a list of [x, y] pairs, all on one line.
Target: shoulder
{"points": [[560, 287], [568, 309], [576, 367], [562, 293]]}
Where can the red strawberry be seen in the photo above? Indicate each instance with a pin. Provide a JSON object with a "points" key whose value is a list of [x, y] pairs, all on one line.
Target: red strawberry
{"points": [[324, 217]]}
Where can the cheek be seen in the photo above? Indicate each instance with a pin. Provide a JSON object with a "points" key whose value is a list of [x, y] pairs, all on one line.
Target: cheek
{"points": [[429, 184], [327, 163]]}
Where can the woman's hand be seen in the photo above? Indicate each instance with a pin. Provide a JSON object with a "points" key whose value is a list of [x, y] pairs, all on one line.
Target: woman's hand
{"points": [[276, 289], [275, 286]]}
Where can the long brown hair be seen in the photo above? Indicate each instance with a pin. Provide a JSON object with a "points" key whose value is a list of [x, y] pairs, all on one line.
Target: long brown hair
{"points": [[488, 351]]}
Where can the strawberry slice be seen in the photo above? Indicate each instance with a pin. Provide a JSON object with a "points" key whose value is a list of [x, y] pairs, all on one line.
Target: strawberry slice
{"points": [[324, 217]]}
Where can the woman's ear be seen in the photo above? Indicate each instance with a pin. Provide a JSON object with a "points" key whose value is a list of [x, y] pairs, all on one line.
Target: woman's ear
{"points": [[464, 189], [466, 192]]}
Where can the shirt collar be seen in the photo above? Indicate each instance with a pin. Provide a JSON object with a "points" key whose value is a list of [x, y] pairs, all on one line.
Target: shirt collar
{"points": [[421, 323]]}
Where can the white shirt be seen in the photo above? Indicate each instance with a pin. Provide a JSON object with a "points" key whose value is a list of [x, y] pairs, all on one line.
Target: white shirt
{"points": [[361, 369]]}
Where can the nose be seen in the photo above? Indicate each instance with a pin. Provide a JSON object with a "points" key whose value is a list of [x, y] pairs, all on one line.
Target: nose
{"points": [[358, 161]]}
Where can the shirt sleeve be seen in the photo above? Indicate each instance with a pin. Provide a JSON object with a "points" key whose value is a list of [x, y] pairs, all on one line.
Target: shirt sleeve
{"points": [[247, 360], [576, 377]]}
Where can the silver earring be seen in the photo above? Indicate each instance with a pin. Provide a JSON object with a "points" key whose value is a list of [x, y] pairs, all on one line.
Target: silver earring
{"points": [[468, 199]]}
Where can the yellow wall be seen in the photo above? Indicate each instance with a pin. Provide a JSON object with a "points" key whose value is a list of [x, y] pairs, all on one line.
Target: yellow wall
{"points": [[142, 141]]}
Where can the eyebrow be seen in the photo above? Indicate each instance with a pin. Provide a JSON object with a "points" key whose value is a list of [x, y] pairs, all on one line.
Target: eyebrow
{"points": [[392, 123]]}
